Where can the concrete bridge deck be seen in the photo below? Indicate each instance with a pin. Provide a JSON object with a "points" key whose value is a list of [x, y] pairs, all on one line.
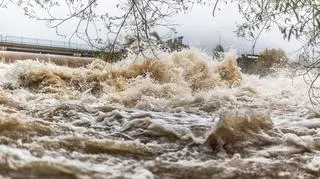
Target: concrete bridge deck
{"points": [[31, 45]]}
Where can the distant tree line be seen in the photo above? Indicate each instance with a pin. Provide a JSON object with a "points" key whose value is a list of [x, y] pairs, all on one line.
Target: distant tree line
{"points": [[175, 44]]}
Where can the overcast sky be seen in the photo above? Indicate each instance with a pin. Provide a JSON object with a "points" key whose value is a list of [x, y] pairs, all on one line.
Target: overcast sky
{"points": [[198, 27]]}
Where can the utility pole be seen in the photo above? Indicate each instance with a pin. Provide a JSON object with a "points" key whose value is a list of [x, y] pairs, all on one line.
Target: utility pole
{"points": [[219, 37]]}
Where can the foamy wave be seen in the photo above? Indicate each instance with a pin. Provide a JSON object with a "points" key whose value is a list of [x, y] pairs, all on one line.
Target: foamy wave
{"points": [[172, 81], [181, 115]]}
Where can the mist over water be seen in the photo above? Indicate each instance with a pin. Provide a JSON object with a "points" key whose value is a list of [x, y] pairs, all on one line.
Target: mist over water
{"points": [[180, 116]]}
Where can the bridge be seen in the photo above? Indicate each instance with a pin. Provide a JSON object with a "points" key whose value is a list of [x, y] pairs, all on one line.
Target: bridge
{"points": [[42, 46]]}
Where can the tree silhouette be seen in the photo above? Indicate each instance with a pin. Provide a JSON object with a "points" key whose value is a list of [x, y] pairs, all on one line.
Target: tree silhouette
{"points": [[218, 52]]}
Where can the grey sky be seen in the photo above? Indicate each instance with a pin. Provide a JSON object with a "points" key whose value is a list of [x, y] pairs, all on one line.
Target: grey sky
{"points": [[198, 27]]}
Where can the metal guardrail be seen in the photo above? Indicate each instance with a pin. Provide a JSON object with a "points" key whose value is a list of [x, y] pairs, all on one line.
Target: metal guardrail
{"points": [[46, 43]]}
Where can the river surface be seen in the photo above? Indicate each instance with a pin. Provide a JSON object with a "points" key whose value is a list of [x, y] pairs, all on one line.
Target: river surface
{"points": [[180, 116]]}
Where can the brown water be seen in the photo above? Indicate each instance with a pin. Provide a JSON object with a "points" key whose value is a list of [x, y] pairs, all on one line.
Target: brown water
{"points": [[178, 117]]}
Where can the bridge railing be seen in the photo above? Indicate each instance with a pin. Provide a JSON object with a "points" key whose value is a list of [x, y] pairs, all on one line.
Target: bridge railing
{"points": [[46, 43]]}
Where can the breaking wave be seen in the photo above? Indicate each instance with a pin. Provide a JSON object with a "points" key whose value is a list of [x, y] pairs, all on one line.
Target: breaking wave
{"points": [[149, 84], [176, 116]]}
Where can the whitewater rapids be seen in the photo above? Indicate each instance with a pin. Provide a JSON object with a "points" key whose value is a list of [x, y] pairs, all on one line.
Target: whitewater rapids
{"points": [[179, 116]]}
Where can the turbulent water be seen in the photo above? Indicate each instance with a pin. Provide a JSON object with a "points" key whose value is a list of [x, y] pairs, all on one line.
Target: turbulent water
{"points": [[180, 116]]}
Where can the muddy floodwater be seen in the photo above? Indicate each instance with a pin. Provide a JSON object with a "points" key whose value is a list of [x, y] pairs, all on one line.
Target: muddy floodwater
{"points": [[180, 116]]}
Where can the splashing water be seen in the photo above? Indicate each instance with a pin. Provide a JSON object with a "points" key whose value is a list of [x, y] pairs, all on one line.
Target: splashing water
{"points": [[180, 116]]}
